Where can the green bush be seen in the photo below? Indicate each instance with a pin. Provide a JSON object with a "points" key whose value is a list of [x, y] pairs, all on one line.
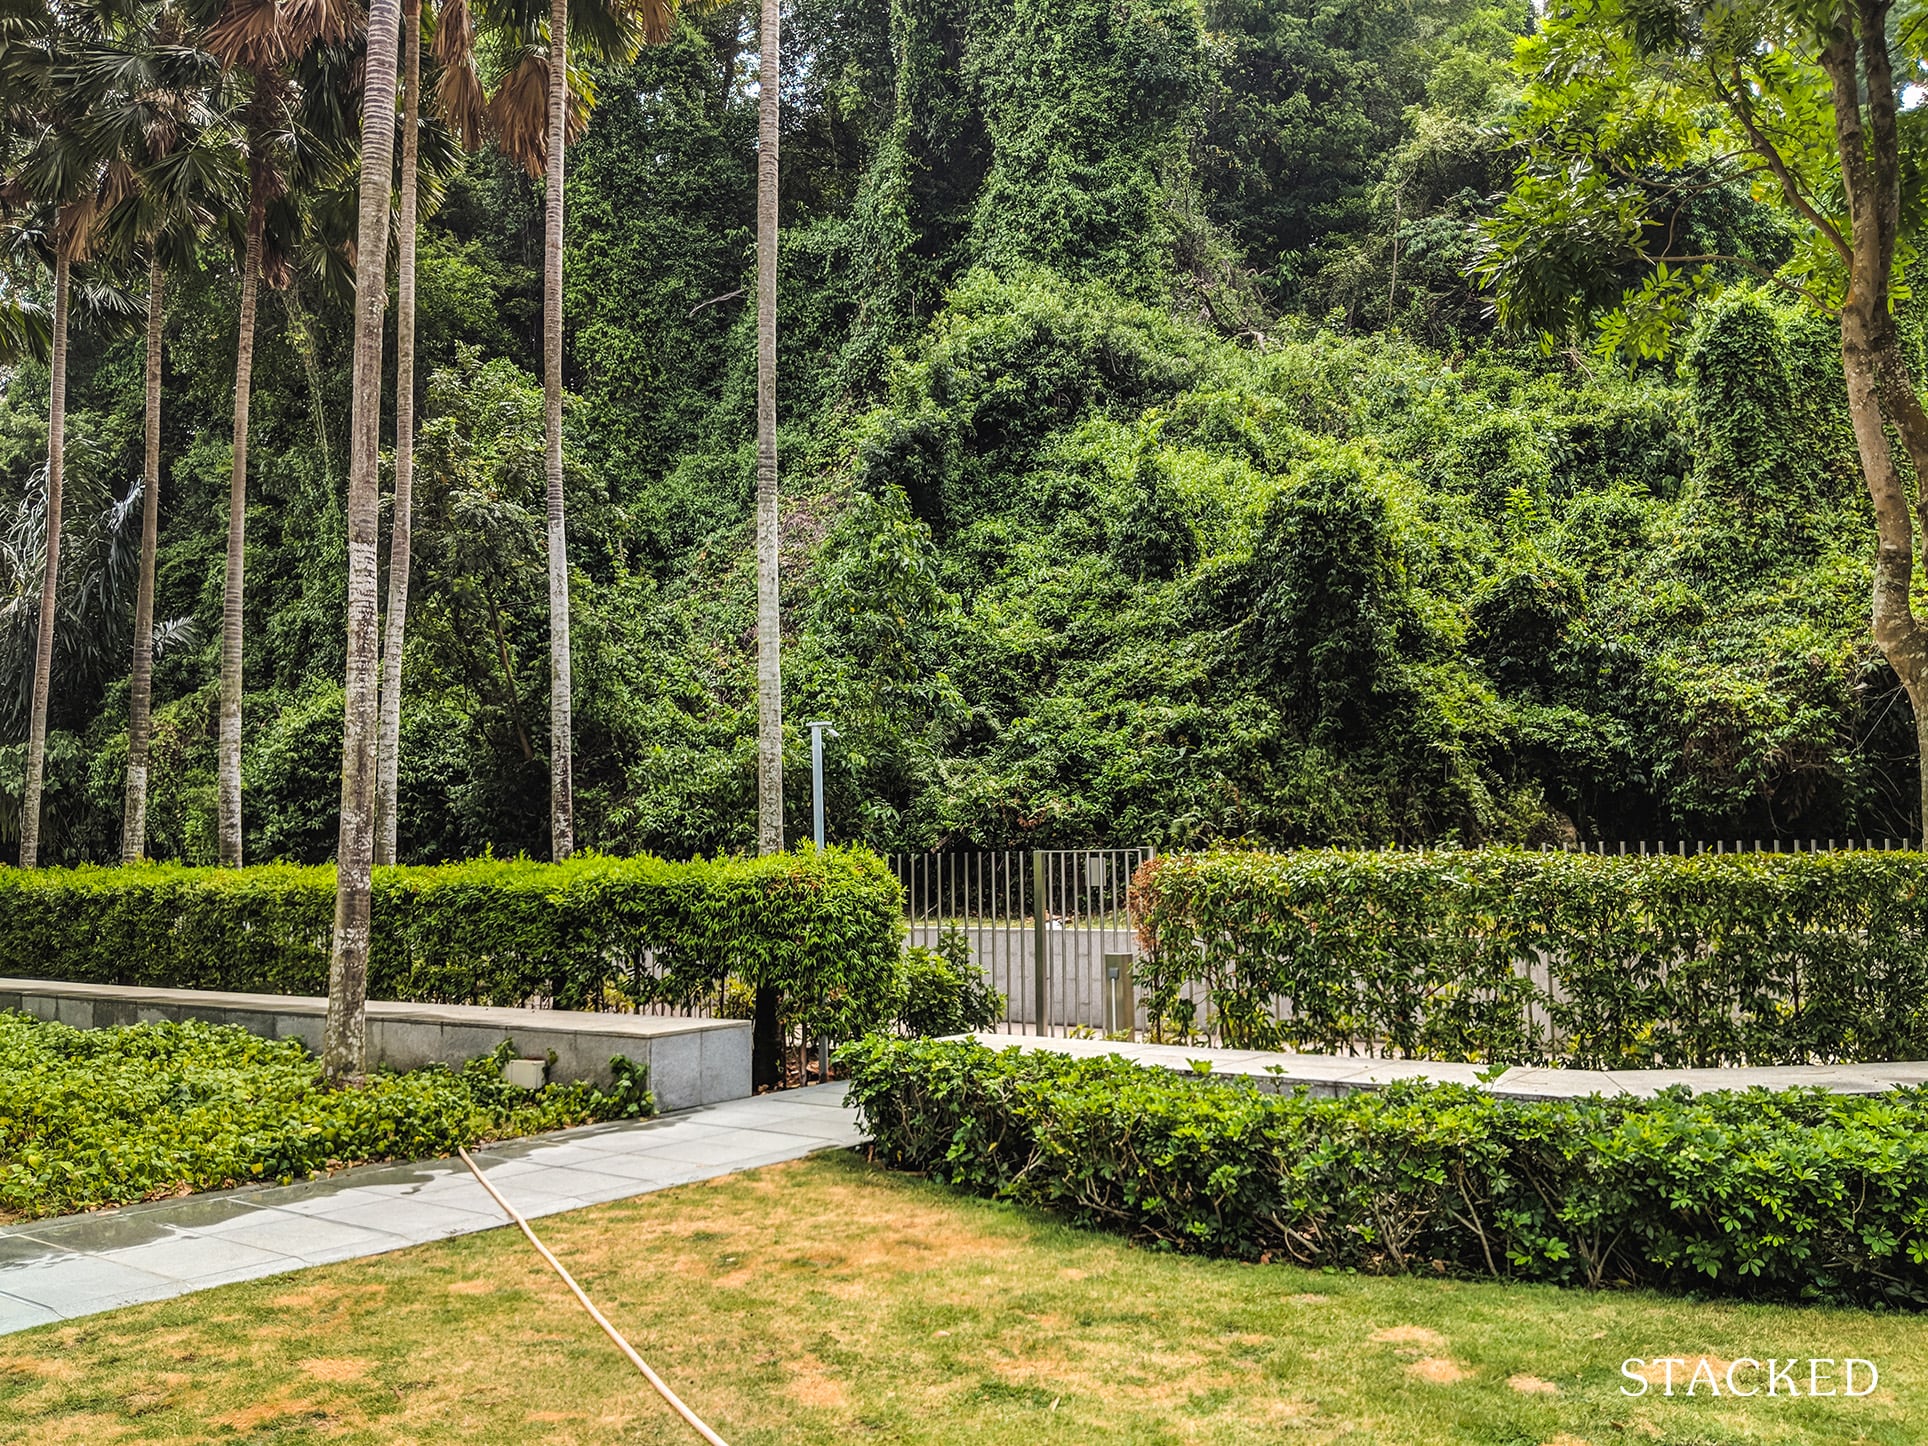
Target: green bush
{"points": [[105, 1116], [1560, 958], [1796, 1195], [944, 992], [823, 928]]}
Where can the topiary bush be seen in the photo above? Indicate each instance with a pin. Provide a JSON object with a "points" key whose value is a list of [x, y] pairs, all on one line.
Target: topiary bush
{"points": [[106, 1116], [1797, 1195], [1555, 958], [822, 927]]}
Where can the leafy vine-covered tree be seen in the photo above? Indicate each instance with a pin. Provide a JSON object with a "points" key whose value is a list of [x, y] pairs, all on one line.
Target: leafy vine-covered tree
{"points": [[1642, 108]]}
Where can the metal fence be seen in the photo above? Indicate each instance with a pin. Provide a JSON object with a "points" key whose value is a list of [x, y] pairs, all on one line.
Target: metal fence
{"points": [[1069, 963], [1040, 923]]}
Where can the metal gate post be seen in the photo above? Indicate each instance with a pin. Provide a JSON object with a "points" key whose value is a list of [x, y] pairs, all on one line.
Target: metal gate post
{"points": [[1039, 942]]}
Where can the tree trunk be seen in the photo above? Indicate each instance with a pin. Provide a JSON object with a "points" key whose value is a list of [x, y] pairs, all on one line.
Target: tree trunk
{"points": [[43, 657], [767, 1042], [344, 1038], [562, 800], [769, 644], [228, 760], [1881, 393], [389, 742], [140, 688]]}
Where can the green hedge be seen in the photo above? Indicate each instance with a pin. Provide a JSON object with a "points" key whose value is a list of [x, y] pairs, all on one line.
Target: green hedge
{"points": [[106, 1116], [825, 928], [1797, 1195], [1573, 959]]}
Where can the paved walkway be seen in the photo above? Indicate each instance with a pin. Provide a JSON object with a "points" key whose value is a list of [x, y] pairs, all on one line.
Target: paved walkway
{"points": [[74, 1266], [1333, 1074]]}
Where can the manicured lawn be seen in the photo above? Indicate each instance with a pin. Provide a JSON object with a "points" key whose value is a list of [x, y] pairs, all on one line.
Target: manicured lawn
{"points": [[829, 1302]]}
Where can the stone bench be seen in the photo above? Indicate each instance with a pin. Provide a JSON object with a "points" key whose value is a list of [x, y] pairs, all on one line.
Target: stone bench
{"points": [[691, 1061]]}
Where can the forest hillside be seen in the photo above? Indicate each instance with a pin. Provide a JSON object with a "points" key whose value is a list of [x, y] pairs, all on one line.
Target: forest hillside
{"points": [[1152, 472]]}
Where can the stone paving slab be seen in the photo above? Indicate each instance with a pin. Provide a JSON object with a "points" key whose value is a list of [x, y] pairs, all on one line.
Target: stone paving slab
{"points": [[52, 1270], [1333, 1075]]}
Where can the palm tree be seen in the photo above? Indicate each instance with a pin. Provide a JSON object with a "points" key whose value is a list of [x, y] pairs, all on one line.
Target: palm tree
{"points": [[344, 1050], [262, 39], [62, 183], [610, 30], [769, 643], [389, 704], [164, 125]]}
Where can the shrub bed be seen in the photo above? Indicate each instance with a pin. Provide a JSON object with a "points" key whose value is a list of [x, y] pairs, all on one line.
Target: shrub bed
{"points": [[92, 1117], [1572, 959], [1797, 1195], [824, 928]]}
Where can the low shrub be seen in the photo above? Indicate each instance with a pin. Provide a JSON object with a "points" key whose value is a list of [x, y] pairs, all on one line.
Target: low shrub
{"points": [[1554, 958], [944, 992], [92, 1117], [1795, 1195], [822, 927]]}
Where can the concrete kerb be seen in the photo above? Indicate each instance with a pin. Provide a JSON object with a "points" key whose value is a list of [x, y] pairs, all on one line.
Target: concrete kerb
{"points": [[1333, 1075]]}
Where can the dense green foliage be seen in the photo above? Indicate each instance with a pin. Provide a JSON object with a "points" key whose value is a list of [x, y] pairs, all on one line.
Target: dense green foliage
{"points": [[944, 992], [593, 933], [1556, 958], [92, 1117], [1796, 1195], [1150, 476]]}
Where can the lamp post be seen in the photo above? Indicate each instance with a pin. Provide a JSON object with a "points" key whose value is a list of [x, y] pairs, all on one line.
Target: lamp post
{"points": [[818, 732]]}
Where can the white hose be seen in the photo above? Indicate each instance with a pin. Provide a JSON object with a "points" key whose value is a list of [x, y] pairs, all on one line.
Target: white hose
{"points": [[587, 1304]]}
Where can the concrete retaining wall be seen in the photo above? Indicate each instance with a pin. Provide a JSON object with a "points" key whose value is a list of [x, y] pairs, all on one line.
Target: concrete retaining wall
{"points": [[691, 1061]]}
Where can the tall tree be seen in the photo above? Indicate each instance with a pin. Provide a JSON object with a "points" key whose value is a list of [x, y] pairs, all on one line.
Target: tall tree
{"points": [[63, 183], [1635, 112], [769, 642], [608, 30], [177, 142], [262, 39], [344, 1039], [389, 722]]}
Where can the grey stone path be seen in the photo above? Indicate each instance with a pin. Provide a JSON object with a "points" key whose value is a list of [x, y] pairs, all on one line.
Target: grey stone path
{"points": [[1332, 1074], [77, 1265]]}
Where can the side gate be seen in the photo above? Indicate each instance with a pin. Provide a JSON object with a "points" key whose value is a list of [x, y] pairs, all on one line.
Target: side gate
{"points": [[1040, 923]]}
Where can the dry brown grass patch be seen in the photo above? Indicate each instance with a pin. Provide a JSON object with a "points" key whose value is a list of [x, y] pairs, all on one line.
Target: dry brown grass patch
{"points": [[1408, 1335]]}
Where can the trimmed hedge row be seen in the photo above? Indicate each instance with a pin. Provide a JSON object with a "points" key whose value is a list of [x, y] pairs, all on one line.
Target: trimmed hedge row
{"points": [[1558, 958], [1797, 1195], [824, 928]]}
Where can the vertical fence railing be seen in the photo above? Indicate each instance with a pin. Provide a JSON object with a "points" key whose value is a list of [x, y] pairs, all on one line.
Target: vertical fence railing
{"points": [[1039, 923]]}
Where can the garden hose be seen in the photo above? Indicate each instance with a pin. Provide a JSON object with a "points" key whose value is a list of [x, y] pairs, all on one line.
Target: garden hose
{"points": [[676, 1402]]}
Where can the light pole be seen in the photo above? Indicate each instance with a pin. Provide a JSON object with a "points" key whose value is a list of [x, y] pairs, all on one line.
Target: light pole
{"points": [[818, 732]]}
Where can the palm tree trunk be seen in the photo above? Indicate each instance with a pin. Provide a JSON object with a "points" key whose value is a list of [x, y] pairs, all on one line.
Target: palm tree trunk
{"points": [[344, 1036], [769, 661], [389, 728], [140, 692], [767, 1044], [562, 802], [43, 658], [228, 760]]}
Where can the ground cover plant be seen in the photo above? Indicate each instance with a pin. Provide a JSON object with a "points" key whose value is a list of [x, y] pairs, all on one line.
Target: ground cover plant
{"points": [[1794, 1195], [107, 1116], [1581, 960], [828, 1300]]}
